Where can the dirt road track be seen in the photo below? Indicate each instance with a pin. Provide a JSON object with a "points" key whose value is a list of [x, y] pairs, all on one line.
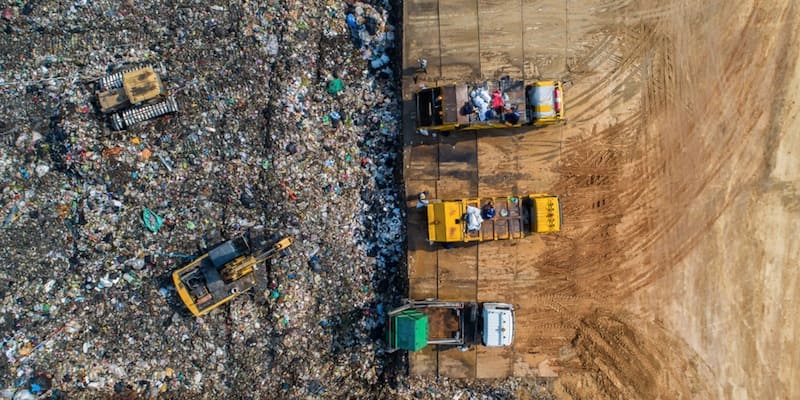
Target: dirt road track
{"points": [[622, 361], [681, 185]]}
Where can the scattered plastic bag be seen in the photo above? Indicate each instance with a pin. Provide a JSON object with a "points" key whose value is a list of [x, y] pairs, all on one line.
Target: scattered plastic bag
{"points": [[152, 221], [474, 218], [335, 86]]}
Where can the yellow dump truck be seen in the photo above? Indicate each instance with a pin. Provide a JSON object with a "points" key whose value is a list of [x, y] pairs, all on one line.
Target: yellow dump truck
{"points": [[490, 105], [494, 218], [132, 96], [224, 272]]}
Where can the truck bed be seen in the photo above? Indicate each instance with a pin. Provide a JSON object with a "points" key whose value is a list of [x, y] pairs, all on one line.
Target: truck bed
{"points": [[442, 322], [509, 226], [515, 90]]}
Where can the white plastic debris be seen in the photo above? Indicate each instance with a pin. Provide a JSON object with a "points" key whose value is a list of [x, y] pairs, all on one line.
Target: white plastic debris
{"points": [[474, 218], [42, 170]]}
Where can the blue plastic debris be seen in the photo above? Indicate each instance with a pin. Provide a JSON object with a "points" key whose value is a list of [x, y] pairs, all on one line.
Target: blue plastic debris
{"points": [[152, 221]]}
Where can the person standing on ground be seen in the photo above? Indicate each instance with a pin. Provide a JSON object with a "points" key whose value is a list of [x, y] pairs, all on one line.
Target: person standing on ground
{"points": [[422, 199], [423, 65]]}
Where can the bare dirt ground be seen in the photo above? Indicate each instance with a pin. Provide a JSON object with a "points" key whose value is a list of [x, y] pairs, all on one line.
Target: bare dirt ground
{"points": [[684, 244], [676, 274]]}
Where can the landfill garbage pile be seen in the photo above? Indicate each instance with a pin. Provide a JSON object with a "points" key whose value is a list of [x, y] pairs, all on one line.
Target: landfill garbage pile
{"points": [[288, 122]]}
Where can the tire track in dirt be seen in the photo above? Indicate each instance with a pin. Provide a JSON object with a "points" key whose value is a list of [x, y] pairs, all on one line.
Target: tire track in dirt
{"points": [[616, 359], [591, 175], [618, 55], [621, 50], [623, 196], [586, 182], [665, 174], [720, 148]]}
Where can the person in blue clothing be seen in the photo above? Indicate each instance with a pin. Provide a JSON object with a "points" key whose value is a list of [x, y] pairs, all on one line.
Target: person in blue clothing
{"points": [[488, 211], [352, 22], [468, 109], [512, 117], [422, 199]]}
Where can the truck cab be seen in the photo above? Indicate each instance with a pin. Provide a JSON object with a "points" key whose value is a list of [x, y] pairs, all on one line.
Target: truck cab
{"points": [[544, 211], [498, 324], [545, 103], [447, 324]]}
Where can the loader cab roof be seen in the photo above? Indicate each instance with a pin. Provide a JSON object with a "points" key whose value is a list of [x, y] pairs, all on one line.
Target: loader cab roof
{"points": [[142, 84], [228, 251]]}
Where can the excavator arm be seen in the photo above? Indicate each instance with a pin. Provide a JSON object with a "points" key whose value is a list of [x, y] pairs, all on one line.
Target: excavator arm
{"points": [[273, 251]]}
